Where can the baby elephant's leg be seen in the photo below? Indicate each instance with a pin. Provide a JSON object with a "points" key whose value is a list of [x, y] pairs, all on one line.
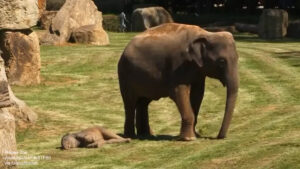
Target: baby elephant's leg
{"points": [[96, 144], [118, 140], [107, 135]]}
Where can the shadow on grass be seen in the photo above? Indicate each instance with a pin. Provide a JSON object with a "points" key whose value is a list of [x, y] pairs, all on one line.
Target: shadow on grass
{"points": [[155, 138], [168, 138], [289, 145], [293, 57]]}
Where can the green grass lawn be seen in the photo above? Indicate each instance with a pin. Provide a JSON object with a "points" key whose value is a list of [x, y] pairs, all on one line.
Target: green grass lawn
{"points": [[80, 88]]}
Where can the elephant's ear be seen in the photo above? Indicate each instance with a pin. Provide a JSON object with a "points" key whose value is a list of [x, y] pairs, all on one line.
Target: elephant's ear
{"points": [[196, 50]]}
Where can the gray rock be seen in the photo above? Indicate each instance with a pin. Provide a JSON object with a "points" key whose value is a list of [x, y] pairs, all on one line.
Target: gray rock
{"points": [[145, 18], [273, 24], [18, 14]]}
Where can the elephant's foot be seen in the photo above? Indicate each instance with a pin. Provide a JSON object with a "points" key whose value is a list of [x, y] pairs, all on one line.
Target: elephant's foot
{"points": [[221, 136], [187, 134], [145, 133], [126, 135], [187, 138], [129, 134]]}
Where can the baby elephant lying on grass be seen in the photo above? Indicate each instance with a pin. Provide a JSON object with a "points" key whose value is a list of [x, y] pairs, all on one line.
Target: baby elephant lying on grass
{"points": [[93, 137]]}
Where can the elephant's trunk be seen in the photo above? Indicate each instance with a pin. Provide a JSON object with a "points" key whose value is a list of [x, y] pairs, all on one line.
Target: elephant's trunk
{"points": [[232, 81]]}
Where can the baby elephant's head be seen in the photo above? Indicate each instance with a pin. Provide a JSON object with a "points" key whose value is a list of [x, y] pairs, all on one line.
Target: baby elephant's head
{"points": [[69, 141]]}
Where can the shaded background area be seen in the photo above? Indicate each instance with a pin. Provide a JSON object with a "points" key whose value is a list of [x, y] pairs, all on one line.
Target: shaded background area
{"points": [[199, 12], [198, 6]]}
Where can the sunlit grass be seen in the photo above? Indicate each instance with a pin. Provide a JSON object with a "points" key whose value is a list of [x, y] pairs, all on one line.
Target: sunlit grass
{"points": [[80, 88]]}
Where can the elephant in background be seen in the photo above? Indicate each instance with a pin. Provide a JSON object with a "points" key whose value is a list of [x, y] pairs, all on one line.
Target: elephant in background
{"points": [[173, 60]]}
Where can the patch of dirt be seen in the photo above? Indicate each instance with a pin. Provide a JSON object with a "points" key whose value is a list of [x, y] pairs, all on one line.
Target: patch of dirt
{"points": [[58, 81]]}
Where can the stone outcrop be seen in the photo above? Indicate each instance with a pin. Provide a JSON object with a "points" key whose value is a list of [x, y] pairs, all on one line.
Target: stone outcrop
{"points": [[294, 29], [273, 24], [73, 15], [145, 18], [90, 34], [13, 112], [21, 53], [46, 19], [18, 14], [23, 115]]}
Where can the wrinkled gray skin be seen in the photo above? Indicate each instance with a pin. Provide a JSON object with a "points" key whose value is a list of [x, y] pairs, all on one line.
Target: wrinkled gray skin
{"points": [[173, 60]]}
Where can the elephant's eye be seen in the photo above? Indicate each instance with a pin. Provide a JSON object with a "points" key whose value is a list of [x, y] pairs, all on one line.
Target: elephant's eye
{"points": [[221, 63]]}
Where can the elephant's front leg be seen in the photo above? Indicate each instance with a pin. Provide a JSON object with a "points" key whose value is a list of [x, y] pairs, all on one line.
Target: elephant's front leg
{"points": [[181, 96], [196, 97]]}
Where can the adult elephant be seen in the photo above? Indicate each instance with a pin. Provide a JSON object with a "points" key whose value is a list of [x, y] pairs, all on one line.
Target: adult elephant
{"points": [[173, 60]]}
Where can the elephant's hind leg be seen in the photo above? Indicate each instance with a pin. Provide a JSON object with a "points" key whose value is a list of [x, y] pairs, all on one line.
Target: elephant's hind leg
{"points": [[129, 100], [142, 117]]}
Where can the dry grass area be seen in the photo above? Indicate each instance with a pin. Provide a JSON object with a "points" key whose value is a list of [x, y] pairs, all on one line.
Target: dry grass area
{"points": [[80, 89]]}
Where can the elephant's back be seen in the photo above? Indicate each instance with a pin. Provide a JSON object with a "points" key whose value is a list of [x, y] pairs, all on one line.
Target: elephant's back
{"points": [[170, 29]]}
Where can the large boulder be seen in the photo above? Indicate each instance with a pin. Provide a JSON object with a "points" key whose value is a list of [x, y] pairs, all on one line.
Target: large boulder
{"points": [[21, 54], [294, 29], [273, 24], [23, 115], [18, 14], [145, 18], [9, 105], [90, 34], [74, 14], [8, 145], [46, 19]]}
